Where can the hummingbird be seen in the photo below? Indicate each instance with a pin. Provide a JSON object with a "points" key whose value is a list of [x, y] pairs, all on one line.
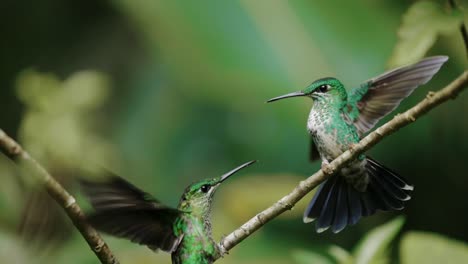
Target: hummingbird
{"points": [[336, 122], [125, 211]]}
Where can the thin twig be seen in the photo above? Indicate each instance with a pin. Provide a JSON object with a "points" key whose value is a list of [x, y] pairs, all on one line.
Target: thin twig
{"points": [[432, 100], [463, 30], [14, 151]]}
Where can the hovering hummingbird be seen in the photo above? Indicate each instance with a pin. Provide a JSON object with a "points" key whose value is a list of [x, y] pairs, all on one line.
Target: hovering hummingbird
{"points": [[125, 211], [338, 120]]}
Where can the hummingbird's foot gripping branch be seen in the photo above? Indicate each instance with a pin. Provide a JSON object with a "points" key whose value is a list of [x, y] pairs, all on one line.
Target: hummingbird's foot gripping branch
{"points": [[432, 100], [15, 152], [325, 167]]}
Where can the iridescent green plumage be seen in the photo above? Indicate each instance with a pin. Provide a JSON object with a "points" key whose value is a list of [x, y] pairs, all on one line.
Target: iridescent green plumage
{"points": [[123, 210], [338, 120]]}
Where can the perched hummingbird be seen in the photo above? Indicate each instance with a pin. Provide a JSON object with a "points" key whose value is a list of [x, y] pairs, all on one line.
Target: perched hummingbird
{"points": [[338, 120], [125, 211]]}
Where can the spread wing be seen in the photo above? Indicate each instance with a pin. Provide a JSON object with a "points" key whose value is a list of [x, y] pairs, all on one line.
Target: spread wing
{"points": [[125, 211], [378, 96]]}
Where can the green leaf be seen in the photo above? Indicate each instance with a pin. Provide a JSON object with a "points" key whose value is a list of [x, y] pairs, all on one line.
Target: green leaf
{"points": [[340, 254], [421, 25], [311, 257], [373, 248], [327, 254], [428, 248]]}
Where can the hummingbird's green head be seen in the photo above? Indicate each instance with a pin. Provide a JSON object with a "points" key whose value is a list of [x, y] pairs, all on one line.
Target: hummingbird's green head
{"points": [[321, 89], [198, 196]]}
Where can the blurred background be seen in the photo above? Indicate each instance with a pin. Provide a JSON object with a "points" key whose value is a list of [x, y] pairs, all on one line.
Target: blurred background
{"points": [[165, 93]]}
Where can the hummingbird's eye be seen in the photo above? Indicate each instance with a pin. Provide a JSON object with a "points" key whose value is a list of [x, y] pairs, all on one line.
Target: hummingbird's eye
{"points": [[205, 188], [323, 88]]}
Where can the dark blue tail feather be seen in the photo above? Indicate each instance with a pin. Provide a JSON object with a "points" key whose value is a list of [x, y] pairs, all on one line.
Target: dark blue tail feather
{"points": [[355, 206], [342, 209], [328, 211], [315, 206], [337, 204]]}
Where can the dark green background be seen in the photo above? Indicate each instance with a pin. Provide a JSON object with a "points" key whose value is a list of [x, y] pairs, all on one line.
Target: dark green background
{"points": [[189, 82]]}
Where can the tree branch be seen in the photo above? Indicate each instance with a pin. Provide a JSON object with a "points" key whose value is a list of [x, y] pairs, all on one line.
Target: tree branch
{"points": [[432, 100], [15, 152]]}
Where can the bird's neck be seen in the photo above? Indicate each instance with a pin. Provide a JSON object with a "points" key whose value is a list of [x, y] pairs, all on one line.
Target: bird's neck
{"points": [[332, 105], [199, 211], [323, 112]]}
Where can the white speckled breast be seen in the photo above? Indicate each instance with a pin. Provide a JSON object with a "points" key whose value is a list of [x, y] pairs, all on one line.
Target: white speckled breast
{"points": [[325, 138], [326, 143]]}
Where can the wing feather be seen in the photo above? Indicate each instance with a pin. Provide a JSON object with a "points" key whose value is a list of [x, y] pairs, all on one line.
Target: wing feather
{"points": [[379, 96], [125, 211]]}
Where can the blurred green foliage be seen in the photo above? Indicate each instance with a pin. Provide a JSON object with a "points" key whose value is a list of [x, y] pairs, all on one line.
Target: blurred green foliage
{"points": [[169, 92], [430, 248], [59, 129], [421, 25], [59, 116], [375, 248]]}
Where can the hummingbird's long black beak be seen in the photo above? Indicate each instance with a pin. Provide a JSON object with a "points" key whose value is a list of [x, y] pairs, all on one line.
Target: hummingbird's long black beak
{"points": [[294, 94], [232, 172]]}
